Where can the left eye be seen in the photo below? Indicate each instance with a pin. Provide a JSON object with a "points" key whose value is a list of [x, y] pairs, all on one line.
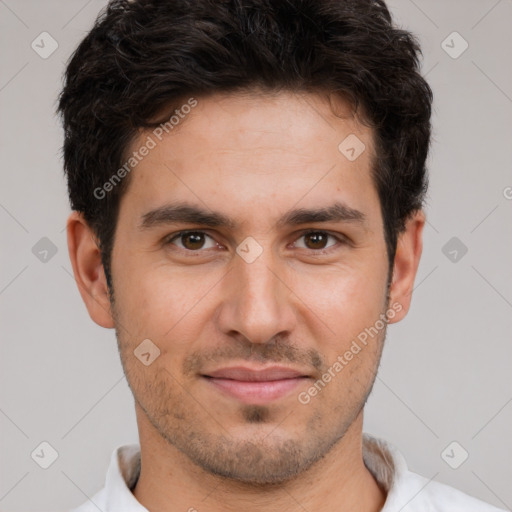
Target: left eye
{"points": [[317, 240]]}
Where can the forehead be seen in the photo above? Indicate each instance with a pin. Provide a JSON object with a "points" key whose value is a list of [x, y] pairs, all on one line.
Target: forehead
{"points": [[267, 152]]}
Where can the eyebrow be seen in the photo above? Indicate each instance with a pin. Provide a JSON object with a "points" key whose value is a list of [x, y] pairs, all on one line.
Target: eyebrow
{"points": [[173, 213]]}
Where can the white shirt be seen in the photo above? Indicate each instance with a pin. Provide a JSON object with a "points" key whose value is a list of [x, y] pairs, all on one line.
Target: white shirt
{"points": [[406, 491]]}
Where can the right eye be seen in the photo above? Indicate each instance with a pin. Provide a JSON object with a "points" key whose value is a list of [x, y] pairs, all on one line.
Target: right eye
{"points": [[190, 241]]}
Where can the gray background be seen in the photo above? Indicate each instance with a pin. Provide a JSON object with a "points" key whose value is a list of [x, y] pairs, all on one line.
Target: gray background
{"points": [[445, 374]]}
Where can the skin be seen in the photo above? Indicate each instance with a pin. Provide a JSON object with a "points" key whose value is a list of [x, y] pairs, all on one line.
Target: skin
{"points": [[252, 158]]}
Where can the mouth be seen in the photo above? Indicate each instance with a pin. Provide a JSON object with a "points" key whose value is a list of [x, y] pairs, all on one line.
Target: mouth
{"points": [[255, 386]]}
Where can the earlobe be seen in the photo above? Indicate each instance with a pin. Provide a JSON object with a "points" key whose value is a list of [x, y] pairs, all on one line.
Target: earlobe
{"points": [[85, 259], [407, 259]]}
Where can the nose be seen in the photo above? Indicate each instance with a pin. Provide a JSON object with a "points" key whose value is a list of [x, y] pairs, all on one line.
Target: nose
{"points": [[257, 304]]}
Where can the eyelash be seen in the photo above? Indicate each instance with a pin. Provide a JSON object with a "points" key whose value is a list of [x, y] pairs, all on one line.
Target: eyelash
{"points": [[340, 240]]}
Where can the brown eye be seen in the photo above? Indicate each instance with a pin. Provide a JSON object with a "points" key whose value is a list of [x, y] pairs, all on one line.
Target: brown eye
{"points": [[317, 240], [191, 240]]}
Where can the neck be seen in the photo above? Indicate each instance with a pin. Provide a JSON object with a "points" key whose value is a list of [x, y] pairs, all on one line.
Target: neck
{"points": [[170, 482]]}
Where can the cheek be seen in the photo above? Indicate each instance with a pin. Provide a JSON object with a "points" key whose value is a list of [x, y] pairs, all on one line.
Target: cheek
{"points": [[347, 301], [164, 306]]}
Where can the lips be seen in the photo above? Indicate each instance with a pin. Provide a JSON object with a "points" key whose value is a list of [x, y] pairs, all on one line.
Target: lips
{"points": [[255, 386], [247, 374]]}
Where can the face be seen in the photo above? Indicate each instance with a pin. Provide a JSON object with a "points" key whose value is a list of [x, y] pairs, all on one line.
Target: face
{"points": [[250, 251]]}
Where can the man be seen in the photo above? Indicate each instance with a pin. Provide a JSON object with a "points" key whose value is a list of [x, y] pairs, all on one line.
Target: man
{"points": [[247, 183]]}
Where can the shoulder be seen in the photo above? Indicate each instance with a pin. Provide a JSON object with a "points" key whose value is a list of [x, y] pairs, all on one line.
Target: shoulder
{"points": [[415, 493], [409, 492], [116, 495]]}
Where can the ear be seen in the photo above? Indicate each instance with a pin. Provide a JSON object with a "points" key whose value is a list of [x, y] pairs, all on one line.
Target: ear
{"points": [[407, 259], [85, 258]]}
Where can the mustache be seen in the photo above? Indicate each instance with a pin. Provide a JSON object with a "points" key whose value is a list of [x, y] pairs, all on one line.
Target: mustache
{"points": [[275, 352]]}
